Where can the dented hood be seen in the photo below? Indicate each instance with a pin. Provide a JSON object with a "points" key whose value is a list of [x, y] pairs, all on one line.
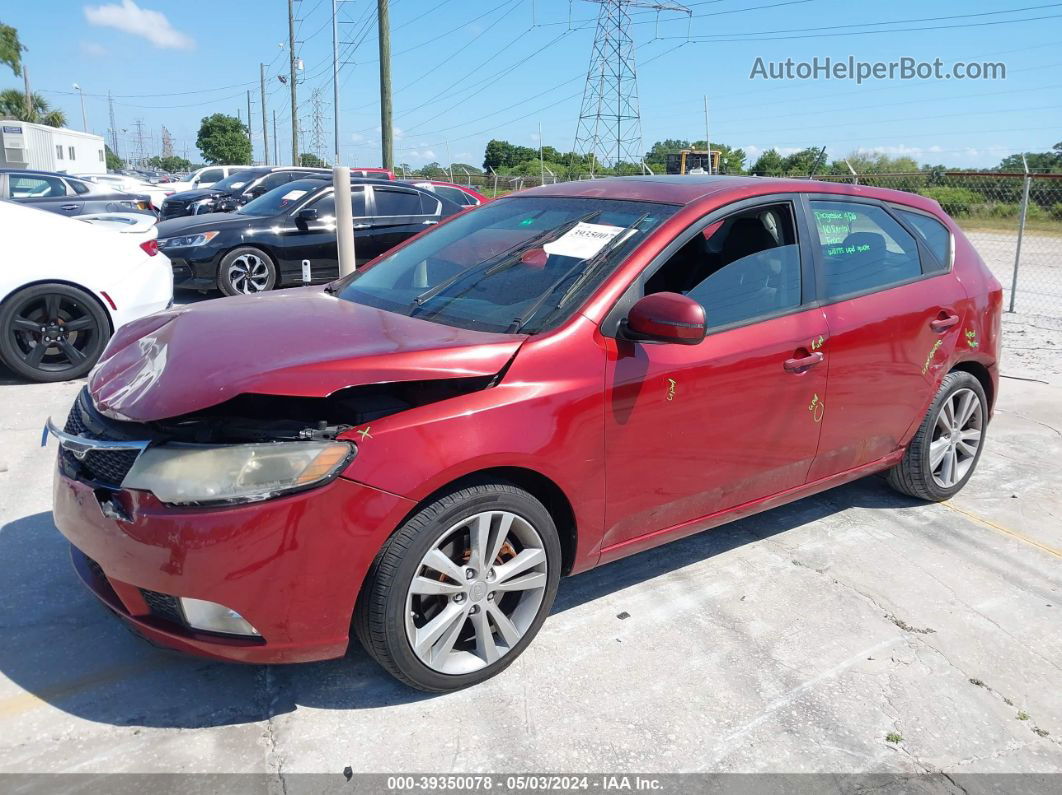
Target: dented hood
{"points": [[301, 342]]}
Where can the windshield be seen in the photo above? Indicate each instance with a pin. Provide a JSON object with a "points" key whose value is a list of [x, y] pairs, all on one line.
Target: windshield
{"points": [[235, 181], [518, 264], [281, 198]]}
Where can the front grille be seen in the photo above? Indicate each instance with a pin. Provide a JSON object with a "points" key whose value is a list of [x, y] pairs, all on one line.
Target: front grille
{"points": [[173, 209], [163, 606], [106, 467]]}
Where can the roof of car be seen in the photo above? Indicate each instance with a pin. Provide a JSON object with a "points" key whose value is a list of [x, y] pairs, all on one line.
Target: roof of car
{"points": [[691, 188], [36, 171]]}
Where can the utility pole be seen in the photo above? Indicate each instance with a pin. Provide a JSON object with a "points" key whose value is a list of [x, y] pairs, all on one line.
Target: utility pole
{"points": [[29, 96], [265, 129], [335, 78], [541, 160], [250, 139], [276, 148], [707, 138], [294, 93], [386, 140], [114, 126]]}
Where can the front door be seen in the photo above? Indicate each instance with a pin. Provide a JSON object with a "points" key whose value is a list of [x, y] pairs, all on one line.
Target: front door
{"points": [[315, 241], [694, 430]]}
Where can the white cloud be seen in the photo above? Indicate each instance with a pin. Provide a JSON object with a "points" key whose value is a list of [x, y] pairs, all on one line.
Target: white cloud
{"points": [[422, 154], [131, 18], [93, 49]]}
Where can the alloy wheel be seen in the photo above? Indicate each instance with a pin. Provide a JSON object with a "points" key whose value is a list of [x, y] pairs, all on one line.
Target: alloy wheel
{"points": [[248, 274], [956, 437], [476, 592], [53, 332]]}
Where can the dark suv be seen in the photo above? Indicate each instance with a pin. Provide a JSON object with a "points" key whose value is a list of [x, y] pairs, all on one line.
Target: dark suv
{"points": [[288, 236], [235, 190]]}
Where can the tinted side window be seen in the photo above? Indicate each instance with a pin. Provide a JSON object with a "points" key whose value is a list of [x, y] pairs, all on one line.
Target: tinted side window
{"points": [[390, 201], [326, 205], [275, 180], [210, 175], [79, 187], [742, 267], [454, 195], [863, 248], [32, 187], [934, 234]]}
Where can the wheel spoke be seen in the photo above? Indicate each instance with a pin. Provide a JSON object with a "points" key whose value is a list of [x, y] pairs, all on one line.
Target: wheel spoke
{"points": [[425, 586], [499, 539], [51, 306], [508, 630], [971, 435], [73, 355], [479, 539], [937, 451], [521, 563], [445, 645], [80, 324], [486, 648], [33, 358], [430, 633], [948, 411], [947, 472], [943, 423], [535, 579], [442, 564], [25, 324], [968, 449], [966, 408]]}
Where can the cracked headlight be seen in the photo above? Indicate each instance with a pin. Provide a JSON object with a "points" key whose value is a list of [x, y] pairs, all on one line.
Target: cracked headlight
{"points": [[186, 474]]}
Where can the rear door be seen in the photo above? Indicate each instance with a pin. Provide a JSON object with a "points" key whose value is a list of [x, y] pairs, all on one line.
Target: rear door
{"points": [[894, 315], [397, 214], [691, 431]]}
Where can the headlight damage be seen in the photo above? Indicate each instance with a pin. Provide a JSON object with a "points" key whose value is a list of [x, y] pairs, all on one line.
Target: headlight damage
{"points": [[186, 474]]}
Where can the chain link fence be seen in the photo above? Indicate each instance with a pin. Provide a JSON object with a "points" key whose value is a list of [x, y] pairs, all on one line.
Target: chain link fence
{"points": [[1013, 220]]}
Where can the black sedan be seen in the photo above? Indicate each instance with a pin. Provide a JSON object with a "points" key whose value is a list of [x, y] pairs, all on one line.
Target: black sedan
{"points": [[65, 195], [288, 236], [235, 190]]}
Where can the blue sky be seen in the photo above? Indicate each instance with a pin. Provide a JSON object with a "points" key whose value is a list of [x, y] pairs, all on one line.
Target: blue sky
{"points": [[467, 71]]}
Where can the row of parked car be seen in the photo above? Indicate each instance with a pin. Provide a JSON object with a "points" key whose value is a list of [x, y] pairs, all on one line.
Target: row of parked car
{"points": [[255, 229]]}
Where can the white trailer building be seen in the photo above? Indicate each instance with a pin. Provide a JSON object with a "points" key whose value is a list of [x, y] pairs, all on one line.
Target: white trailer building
{"points": [[37, 146]]}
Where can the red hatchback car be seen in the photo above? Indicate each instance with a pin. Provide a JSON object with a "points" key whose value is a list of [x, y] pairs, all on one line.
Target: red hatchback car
{"points": [[537, 386]]}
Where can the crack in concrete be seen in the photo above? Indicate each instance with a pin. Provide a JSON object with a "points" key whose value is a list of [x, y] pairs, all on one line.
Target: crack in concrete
{"points": [[274, 759]]}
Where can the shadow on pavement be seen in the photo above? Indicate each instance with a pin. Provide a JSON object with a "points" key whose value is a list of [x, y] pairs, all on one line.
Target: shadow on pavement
{"points": [[60, 646]]}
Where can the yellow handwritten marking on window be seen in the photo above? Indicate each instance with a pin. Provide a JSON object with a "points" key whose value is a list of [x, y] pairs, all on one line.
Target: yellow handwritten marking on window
{"points": [[816, 407], [932, 353], [365, 433], [971, 338], [671, 389], [816, 344]]}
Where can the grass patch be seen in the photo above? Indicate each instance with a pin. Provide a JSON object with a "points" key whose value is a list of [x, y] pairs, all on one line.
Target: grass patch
{"points": [[893, 737]]}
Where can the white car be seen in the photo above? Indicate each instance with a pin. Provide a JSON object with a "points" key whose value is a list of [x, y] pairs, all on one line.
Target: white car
{"points": [[157, 193], [203, 178], [66, 286]]}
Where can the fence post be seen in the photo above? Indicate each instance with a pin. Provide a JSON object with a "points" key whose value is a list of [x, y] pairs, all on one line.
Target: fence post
{"points": [[1021, 231]]}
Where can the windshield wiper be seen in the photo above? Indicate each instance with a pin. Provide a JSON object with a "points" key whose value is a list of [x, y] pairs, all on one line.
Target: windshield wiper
{"points": [[588, 267], [507, 258]]}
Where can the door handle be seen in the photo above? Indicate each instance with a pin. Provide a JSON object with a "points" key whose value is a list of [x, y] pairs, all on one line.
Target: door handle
{"points": [[361, 226], [801, 363], [940, 324], [429, 223], [68, 207]]}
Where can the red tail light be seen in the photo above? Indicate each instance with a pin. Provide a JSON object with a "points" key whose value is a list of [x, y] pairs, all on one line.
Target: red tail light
{"points": [[151, 247]]}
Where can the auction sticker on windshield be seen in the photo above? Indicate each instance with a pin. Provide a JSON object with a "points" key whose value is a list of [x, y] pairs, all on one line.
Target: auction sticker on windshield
{"points": [[583, 240]]}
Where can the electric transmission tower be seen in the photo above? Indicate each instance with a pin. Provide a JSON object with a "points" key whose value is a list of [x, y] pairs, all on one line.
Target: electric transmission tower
{"points": [[317, 139], [114, 127], [167, 143], [609, 122]]}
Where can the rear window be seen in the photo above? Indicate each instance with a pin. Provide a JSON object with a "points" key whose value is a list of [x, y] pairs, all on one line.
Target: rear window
{"points": [[392, 202], [934, 234]]}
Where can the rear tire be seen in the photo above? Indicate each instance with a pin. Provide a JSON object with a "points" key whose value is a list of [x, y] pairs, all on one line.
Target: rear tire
{"points": [[947, 445], [52, 332], [483, 564], [246, 270]]}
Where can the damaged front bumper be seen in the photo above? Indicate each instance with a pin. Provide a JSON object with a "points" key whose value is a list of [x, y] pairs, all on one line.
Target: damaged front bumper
{"points": [[292, 567]]}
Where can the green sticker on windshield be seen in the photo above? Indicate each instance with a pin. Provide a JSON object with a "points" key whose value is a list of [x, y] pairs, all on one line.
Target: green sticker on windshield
{"points": [[527, 222]]}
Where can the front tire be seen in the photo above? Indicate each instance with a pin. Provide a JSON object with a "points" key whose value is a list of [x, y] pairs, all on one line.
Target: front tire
{"points": [[246, 270], [947, 446], [52, 332], [460, 590]]}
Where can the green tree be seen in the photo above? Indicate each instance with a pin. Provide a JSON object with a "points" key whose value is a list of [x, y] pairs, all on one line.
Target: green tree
{"points": [[502, 154], [114, 163], [434, 171], [768, 164], [11, 49], [310, 160], [13, 105], [172, 163], [223, 139], [1038, 161]]}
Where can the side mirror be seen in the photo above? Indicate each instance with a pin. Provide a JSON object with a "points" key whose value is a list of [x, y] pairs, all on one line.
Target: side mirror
{"points": [[306, 215], [666, 317], [255, 192]]}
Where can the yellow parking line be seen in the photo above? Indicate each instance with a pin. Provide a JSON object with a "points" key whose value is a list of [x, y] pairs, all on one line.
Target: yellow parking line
{"points": [[24, 702], [1005, 530]]}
